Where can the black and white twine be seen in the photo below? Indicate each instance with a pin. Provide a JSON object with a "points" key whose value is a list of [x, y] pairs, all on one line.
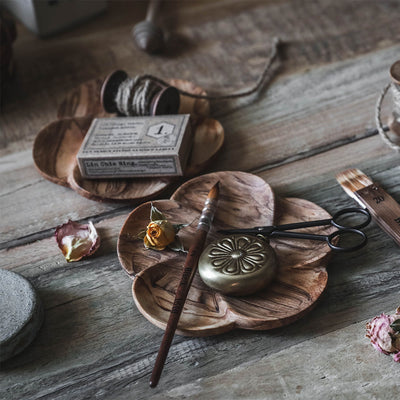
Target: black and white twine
{"points": [[134, 95]]}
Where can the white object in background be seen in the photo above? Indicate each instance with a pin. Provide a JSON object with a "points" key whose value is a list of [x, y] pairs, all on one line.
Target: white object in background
{"points": [[46, 17]]}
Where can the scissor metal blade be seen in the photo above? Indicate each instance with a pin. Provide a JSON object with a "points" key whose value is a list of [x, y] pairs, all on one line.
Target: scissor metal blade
{"points": [[249, 231]]}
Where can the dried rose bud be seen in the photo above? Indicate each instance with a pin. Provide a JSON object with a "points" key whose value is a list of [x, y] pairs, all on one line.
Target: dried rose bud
{"points": [[77, 240], [384, 332], [159, 234]]}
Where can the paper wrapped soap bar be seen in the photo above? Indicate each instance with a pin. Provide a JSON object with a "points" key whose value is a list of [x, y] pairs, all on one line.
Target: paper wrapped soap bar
{"points": [[130, 147]]}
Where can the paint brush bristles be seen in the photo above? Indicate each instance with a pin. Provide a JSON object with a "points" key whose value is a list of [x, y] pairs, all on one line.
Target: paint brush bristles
{"points": [[353, 180], [214, 192]]}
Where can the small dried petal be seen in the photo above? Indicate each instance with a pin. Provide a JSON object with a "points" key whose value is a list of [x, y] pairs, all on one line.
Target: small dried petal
{"points": [[77, 240], [383, 337]]}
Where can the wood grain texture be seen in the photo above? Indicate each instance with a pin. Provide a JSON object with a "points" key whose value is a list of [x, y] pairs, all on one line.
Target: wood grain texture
{"points": [[301, 275], [311, 122], [186, 205], [31, 207], [113, 355], [81, 101], [237, 37], [383, 208], [327, 106], [118, 190], [84, 101], [329, 358], [342, 93], [55, 147]]}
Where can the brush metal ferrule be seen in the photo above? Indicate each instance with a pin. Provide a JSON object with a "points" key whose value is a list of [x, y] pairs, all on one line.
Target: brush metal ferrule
{"points": [[207, 214]]}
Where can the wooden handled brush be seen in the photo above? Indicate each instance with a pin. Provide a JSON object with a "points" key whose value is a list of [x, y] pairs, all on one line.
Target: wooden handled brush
{"points": [[188, 272], [384, 209]]}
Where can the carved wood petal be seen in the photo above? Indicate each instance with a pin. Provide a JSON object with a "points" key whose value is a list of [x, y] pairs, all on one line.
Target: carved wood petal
{"points": [[245, 201], [56, 145]]}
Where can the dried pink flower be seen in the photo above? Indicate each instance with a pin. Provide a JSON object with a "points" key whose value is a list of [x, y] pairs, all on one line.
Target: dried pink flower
{"points": [[77, 240], [384, 333]]}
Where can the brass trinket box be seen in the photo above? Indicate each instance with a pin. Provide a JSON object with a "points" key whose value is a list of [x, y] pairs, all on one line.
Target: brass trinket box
{"points": [[238, 265]]}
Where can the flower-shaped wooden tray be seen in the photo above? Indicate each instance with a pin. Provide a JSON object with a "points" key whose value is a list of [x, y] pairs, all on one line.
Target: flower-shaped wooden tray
{"points": [[56, 145], [245, 201]]}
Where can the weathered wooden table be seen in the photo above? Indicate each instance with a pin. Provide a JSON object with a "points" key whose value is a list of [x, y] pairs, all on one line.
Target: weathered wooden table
{"points": [[315, 119]]}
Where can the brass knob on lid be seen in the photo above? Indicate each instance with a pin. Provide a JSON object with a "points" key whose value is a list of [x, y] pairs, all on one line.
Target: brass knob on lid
{"points": [[238, 265]]}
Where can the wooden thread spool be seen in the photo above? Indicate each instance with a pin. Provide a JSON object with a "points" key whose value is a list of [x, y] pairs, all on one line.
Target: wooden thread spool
{"points": [[394, 121], [148, 36], [165, 100]]}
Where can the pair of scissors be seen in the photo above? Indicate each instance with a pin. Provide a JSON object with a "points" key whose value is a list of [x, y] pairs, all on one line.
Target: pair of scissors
{"points": [[343, 229]]}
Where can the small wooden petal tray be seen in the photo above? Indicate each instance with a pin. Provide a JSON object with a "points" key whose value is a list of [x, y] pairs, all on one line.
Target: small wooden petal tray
{"points": [[245, 201], [56, 146]]}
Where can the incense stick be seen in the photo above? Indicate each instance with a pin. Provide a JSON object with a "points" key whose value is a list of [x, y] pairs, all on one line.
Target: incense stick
{"points": [[188, 273], [383, 208]]}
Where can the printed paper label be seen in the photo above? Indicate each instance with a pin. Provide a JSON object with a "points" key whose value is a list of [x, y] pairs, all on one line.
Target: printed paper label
{"points": [[124, 167], [131, 135]]}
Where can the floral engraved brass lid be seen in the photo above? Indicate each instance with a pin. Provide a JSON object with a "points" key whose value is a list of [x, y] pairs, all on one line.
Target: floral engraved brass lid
{"points": [[238, 265]]}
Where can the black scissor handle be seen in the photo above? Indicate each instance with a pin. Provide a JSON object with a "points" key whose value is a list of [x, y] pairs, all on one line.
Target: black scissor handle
{"points": [[349, 211], [330, 239]]}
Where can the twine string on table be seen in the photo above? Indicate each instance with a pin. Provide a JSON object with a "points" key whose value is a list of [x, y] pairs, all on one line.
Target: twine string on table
{"points": [[395, 88], [134, 95]]}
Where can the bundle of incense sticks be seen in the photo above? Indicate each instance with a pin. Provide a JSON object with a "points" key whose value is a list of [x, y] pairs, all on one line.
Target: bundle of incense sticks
{"points": [[383, 208]]}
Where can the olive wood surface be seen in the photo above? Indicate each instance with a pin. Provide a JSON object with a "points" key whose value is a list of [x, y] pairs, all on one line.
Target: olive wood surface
{"points": [[82, 101], [301, 276], [314, 120], [56, 146]]}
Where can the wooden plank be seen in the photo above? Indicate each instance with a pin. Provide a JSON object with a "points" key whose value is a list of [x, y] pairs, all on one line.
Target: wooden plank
{"points": [[31, 204], [289, 179], [306, 132], [47, 69], [341, 363], [93, 333], [306, 113], [311, 123]]}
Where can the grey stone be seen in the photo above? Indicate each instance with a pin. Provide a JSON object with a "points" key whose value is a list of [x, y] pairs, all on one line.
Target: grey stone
{"points": [[21, 314]]}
